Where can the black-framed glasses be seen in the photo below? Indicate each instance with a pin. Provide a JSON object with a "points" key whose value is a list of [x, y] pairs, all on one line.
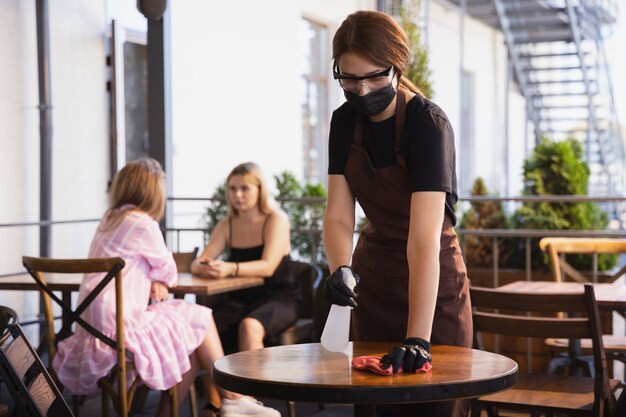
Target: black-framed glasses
{"points": [[371, 82]]}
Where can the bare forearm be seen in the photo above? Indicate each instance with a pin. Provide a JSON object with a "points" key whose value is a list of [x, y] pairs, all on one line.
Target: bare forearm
{"points": [[338, 237], [423, 287]]}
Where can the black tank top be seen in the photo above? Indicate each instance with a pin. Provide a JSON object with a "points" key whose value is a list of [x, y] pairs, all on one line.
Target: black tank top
{"points": [[281, 284]]}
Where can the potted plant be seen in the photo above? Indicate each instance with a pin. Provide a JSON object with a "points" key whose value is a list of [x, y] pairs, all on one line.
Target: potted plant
{"points": [[553, 168]]}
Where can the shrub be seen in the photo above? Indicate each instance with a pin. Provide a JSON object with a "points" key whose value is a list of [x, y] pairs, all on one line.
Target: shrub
{"points": [[558, 168], [483, 215]]}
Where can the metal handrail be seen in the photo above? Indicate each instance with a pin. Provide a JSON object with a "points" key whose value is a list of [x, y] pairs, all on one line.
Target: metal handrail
{"points": [[495, 234], [46, 223]]}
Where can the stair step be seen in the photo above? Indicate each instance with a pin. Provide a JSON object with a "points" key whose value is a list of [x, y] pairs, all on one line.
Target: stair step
{"points": [[511, 8], [543, 82], [534, 20], [548, 55], [558, 94], [555, 68], [543, 37], [565, 106]]}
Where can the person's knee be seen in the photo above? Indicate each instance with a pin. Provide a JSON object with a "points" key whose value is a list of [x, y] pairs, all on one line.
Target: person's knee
{"points": [[250, 327]]}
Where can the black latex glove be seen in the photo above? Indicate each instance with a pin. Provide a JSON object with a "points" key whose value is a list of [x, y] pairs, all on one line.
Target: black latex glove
{"points": [[412, 355], [336, 289]]}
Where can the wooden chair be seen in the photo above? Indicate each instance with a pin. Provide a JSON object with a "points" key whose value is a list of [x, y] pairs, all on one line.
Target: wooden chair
{"points": [[541, 316], [557, 250], [33, 390], [309, 276], [114, 384], [7, 316], [184, 259]]}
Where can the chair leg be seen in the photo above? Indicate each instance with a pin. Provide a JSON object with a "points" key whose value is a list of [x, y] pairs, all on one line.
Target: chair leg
{"points": [[193, 400], [173, 401], [105, 404], [291, 406], [212, 395], [474, 408], [76, 402]]}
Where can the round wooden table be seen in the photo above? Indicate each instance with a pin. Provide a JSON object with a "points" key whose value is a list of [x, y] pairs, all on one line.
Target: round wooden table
{"points": [[307, 372]]}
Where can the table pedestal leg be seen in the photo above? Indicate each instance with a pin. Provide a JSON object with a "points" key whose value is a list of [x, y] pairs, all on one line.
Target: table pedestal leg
{"points": [[364, 410]]}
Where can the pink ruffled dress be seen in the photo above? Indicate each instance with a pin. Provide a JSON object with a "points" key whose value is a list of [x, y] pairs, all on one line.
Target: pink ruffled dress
{"points": [[161, 335]]}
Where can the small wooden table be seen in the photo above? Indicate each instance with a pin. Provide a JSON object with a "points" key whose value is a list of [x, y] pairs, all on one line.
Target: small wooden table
{"points": [[307, 372], [187, 284], [610, 296]]}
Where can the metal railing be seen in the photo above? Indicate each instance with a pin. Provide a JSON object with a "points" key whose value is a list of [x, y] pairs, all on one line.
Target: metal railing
{"points": [[495, 234]]}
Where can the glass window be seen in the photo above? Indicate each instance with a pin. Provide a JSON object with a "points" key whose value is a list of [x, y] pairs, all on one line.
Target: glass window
{"points": [[315, 58]]}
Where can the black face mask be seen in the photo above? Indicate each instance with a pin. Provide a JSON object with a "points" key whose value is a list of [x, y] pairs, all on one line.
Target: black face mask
{"points": [[372, 103]]}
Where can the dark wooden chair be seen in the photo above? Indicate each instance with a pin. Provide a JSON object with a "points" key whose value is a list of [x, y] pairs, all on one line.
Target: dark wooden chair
{"points": [[558, 249], [33, 390], [183, 259], [309, 276], [572, 316], [7, 316], [113, 386]]}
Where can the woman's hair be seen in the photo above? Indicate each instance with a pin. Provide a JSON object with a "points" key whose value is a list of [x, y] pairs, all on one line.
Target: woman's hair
{"points": [[251, 173], [141, 184], [377, 37]]}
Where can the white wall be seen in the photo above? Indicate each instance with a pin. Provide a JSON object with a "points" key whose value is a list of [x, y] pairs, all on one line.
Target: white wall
{"points": [[236, 97], [236, 90], [79, 126]]}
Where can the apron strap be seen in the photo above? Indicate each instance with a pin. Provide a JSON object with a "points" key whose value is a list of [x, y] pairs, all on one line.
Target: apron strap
{"points": [[400, 123]]}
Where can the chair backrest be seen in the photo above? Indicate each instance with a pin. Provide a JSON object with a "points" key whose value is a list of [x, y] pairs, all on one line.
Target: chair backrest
{"points": [[557, 248], [184, 259], [309, 276], [7, 316], [571, 316], [111, 268], [29, 383]]}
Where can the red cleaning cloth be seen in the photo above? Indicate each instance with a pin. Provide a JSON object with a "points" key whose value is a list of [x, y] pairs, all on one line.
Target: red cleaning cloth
{"points": [[372, 364]]}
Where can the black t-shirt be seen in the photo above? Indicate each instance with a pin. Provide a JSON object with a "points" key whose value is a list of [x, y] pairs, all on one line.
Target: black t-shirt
{"points": [[428, 146]]}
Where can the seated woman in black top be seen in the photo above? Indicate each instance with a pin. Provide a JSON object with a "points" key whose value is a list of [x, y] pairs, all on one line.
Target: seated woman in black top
{"points": [[255, 238]]}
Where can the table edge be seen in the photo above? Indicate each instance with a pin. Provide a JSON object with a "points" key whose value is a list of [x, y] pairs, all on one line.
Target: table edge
{"points": [[380, 394]]}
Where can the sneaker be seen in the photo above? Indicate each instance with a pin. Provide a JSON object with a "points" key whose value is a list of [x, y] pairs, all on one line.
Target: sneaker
{"points": [[246, 407]]}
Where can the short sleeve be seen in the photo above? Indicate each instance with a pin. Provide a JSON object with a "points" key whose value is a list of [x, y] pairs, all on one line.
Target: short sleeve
{"points": [[340, 139], [430, 153], [159, 258]]}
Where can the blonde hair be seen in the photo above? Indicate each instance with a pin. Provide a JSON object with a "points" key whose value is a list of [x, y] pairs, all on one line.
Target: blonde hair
{"points": [[251, 173], [377, 37], [141, 184]]}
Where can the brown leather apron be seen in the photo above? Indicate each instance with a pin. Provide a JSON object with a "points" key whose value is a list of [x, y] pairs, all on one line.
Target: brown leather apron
{"points": [[380, 259]]}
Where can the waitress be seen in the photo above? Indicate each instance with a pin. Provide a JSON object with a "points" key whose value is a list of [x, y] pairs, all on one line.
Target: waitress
{"points": [[392, 150]]}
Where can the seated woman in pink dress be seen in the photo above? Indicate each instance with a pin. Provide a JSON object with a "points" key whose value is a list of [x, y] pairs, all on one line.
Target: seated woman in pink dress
{"points": [[170, 339]]}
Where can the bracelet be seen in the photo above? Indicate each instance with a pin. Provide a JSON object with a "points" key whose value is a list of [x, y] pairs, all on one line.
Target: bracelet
{"points": [[236, 273]]}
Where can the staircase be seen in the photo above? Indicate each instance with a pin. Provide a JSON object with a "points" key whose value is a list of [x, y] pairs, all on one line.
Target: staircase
{"points": [[557, 54]]}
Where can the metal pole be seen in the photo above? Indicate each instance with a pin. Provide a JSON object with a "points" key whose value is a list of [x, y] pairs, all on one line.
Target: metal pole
{"points": [[45, 125], [159, 96], [507, 139]]}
